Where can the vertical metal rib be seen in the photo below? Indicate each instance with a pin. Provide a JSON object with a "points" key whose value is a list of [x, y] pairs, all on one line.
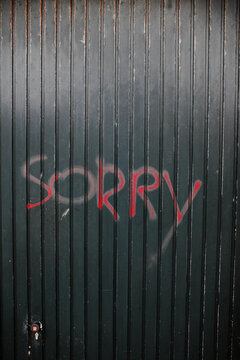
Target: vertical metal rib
{"points": [[146, 157], [130, 163], [71, 162], [235, 220], [100, 255], [175, 180], [205, 179], [160, 194], [56, 165], [1, 243], [42, 170], [27, 162], [190, 175], [116, 120], [220, 176], [86, 183], [13, 11]]}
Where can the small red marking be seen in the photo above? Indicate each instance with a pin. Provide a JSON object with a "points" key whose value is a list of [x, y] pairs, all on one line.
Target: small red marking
{"points": [[141, 190]]}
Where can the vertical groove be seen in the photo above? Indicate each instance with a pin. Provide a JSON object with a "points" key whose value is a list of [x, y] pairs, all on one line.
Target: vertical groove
{"points": [[205, 177], [42, 12], [190, 176], [56, 173], [42, 8], [130, 162], [116, 121], [160, 194], [13, 11], [86, 183], [1, 229], [175, 180], [100, 254], [234, 236], [146, 156], [220, 178], [27, 161], [71, 162]]}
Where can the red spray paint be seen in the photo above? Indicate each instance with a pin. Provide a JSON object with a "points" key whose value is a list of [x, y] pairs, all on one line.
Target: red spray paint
{"points": [[32, 161], [141, 190], [63, 175], [96, 185], [103, 197], [196, 188]]}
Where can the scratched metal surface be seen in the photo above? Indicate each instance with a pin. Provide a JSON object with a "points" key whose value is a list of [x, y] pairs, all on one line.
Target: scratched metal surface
{"points": [[119, 179]]}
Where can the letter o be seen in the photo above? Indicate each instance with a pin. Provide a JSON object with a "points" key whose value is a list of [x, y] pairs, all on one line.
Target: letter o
{"points": [[62, 176]]}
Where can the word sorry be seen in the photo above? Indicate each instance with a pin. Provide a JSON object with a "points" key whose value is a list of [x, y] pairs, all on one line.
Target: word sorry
{"points": [[96, 187]]}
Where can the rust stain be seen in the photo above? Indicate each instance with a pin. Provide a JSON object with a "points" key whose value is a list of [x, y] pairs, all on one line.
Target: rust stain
{"points": [[26, 20], [224, 23], [85, 26], [12, 24], [70, 9], [55, 17], [41, 12], [100, 15], [179, 35], [115, 20], [44, 13]]}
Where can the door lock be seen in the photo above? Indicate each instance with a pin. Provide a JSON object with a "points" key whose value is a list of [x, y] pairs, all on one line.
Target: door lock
{"points": [[35, 328]]}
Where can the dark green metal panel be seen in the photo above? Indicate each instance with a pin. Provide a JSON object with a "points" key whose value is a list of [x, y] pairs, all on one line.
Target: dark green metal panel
{"points": [[119, 179]]}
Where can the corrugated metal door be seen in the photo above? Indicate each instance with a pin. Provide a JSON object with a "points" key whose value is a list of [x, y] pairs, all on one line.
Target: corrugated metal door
{"points": [[120, 179]]}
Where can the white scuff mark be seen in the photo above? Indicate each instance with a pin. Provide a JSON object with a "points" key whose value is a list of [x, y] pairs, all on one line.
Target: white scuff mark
{"points": [[25, 324], [152, 261], [82, 41], [65, 213]]}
